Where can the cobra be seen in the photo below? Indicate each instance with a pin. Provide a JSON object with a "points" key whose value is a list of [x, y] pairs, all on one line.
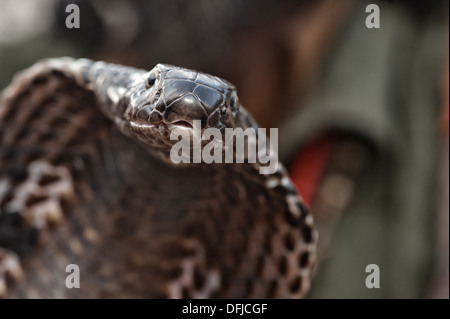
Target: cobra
{"points": [[86, 179]]}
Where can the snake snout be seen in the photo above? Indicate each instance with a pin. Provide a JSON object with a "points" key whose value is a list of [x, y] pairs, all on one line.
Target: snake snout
{"points": [[179, 97], [185, 110]]}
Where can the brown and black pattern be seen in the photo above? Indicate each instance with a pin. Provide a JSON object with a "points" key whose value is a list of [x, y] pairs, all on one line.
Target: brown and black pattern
{"points": [[86, 179]]}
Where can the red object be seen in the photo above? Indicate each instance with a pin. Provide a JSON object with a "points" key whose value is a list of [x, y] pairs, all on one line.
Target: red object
{"points": [[309, 165]]}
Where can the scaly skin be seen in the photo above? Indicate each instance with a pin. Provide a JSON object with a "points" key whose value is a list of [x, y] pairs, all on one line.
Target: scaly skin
{"points": [[86, 179]]}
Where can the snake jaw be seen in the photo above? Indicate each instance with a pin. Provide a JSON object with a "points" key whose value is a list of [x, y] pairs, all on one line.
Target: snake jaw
{"points": [[181, 125]]}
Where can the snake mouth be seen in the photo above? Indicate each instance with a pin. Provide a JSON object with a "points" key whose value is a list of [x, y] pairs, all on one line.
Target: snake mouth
{"points": [[162, 125], [181, 124]]}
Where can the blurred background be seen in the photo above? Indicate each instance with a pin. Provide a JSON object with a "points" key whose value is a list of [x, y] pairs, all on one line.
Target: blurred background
{"points": [[362, 113]]}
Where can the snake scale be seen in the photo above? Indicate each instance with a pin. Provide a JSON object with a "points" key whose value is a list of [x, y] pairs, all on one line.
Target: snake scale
{"points": [[86, 179]]}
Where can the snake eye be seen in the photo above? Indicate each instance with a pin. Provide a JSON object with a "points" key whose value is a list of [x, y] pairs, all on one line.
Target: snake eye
{"points": [[233, 101], [150, 80]]}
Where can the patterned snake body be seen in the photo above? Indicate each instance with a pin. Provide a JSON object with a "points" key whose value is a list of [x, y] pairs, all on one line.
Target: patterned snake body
{"points": [[86, 179]]}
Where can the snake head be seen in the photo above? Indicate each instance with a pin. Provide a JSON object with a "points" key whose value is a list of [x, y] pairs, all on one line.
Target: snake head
{"points": [[169, 97]]}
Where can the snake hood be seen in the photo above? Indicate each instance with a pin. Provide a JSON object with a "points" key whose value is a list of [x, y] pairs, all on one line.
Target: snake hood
{"points": [[78, 170]]}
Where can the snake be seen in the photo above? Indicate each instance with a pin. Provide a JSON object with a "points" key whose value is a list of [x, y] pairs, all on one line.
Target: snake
{"points": [[87, 180]]}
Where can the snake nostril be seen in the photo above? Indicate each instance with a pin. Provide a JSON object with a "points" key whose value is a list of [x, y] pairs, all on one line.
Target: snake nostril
{"points": [[160, 107], [143, 114], [155, 118]]}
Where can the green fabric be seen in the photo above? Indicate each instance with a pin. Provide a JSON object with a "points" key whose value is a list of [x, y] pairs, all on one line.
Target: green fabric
{"points": [[382, 84]]}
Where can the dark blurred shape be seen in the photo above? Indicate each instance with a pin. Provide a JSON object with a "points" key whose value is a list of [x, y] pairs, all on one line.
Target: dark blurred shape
{"points": [[375, 203], [91, 32], [270, 49], [251, 43]]}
